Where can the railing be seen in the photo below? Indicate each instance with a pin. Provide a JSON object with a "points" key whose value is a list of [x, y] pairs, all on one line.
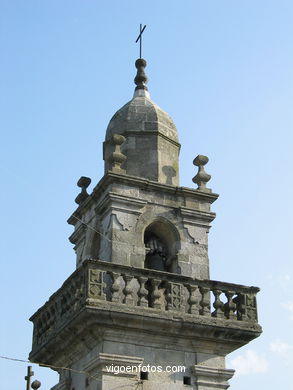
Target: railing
{"points": [[97, 283]]}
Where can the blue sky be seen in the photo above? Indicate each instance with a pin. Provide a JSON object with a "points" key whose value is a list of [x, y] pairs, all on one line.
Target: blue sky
{"points": [[223, 71]]}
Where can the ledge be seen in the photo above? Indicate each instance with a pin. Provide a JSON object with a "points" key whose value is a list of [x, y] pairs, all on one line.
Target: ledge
{"points": [[111, 296], [145, 184]]}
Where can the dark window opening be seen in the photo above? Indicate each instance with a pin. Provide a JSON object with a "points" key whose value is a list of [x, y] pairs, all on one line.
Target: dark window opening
{"points": [[144, 375], [186, 380]]}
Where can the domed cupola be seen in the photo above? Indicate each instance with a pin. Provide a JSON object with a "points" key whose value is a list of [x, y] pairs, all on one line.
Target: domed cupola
{"points": [[151, 146]]}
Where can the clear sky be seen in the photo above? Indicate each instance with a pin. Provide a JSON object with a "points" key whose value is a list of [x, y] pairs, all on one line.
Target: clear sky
{"points": [[223, 71]]}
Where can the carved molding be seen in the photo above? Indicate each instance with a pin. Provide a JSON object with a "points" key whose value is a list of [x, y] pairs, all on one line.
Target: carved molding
{"points": [[197, 218], [126, 204], [78, 234], [99, 363], [213, 378]]}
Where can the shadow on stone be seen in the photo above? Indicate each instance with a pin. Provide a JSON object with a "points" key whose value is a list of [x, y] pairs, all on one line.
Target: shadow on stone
{"points": [[169, 172]]}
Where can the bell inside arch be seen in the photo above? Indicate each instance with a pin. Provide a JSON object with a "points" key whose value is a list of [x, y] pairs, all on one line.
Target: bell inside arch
{"points": [[156, 253]]}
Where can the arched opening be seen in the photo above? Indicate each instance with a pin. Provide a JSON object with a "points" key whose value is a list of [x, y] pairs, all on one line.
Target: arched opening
{"points": [[161, 241]]}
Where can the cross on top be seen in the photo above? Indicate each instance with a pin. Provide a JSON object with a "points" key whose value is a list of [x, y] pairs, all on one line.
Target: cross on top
{"points": [[139, 38]]}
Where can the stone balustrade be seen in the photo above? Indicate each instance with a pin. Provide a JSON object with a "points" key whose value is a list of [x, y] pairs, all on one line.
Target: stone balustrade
{"points": [[99, 284]]}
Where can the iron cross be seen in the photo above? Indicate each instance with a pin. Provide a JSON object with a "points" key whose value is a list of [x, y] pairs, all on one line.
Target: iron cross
{"points": [[139, 38]]}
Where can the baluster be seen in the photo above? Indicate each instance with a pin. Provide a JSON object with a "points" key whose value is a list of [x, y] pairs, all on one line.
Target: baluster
{"points": [[218, 305], [142, 292], [156, 295], [239, 301], [128, 290], [47, 320], [62, 304], [205, 301], [168, 295], [68, 302], [57, 313], [52, 317], [81, 292], [75, 295], [115, 288], [230, 306], [193, 299], [59, 306]]}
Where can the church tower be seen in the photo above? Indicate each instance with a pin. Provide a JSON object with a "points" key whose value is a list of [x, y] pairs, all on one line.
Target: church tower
{"points": [[140, 311]]}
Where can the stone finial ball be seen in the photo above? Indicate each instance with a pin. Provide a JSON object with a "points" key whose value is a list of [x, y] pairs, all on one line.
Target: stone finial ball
{"points": [[118, 139], [84, 182], [36, 384], [140, 62], [200, 160]]}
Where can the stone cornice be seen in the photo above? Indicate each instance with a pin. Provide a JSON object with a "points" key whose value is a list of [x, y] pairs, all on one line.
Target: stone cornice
{"points": [[112, 321], [77, 234], [196, 217], [115, 201], [213, 378], [144, 184], [106, 359]]}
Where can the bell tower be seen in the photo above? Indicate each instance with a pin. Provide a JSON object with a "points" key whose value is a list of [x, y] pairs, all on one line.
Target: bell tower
{"points": [[141, 299]]}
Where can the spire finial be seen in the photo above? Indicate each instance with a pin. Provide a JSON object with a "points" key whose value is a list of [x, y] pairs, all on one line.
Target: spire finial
{"points": [[139, 38], [140, 78]]}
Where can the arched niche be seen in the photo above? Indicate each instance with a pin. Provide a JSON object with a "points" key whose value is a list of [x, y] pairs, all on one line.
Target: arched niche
{"points": [[162, 242]]}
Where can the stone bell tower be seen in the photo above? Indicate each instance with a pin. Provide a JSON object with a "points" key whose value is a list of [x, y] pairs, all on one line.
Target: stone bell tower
{"points": [[140, 303]]}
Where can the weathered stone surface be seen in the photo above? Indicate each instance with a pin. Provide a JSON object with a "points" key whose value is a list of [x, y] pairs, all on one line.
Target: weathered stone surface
{"points": [[151, 146], [90, 288], [121, 208], [207, 378], [88, 315], [141, 293]]}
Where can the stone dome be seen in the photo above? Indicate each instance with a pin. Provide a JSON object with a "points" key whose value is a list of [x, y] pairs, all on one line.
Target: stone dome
{"points": [[141, 138], [141, 115]]}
